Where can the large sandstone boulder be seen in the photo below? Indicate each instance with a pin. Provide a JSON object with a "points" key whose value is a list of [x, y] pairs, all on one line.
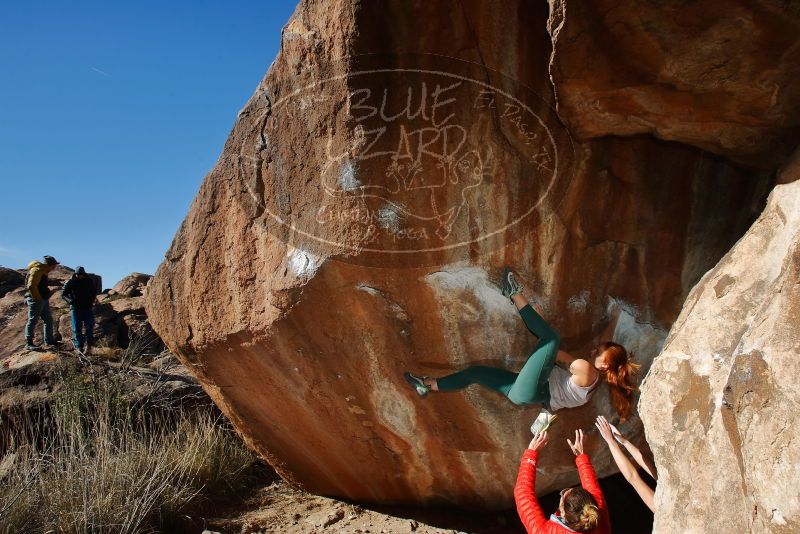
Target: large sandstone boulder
{"points": [[359, 216], [721, 402], [720, 75]]}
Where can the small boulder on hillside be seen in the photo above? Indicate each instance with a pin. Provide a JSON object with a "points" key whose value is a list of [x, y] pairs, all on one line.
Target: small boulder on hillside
{"points": [[132, 285], [10, 280]]}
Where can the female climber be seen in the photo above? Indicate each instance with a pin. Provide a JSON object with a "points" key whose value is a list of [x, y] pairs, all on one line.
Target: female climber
{"points": [[581, 509], [570, 384]]}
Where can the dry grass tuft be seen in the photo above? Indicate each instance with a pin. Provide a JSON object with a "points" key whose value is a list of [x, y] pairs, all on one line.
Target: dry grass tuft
{"points": [[101, 465]]}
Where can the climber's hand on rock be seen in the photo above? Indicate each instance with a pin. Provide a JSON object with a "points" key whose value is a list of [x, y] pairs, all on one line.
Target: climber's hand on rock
{"points": [[577, 446], [538, 441]]}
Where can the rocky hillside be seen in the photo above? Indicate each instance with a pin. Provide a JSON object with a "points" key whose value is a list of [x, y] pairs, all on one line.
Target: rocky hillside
{"points": [[386, 170], [126, 344], [120, 313]]}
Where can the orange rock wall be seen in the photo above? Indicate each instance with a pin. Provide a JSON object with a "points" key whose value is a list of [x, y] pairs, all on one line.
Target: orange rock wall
{"points": [[723, 76], [332, 248]]}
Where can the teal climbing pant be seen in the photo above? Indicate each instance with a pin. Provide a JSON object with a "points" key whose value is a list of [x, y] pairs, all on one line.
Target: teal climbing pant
{"points": [[530, 385]]}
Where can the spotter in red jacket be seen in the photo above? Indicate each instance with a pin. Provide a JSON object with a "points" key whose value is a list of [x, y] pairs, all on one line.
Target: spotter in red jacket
{"points": [[528, 507]]}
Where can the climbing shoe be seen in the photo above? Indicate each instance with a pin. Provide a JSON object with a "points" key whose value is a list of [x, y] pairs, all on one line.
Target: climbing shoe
{"points": [[542, 422], [418, 383], [510, 285], [30, 345]]}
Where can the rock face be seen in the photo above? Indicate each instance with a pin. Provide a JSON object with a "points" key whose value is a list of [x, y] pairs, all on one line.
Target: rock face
{"points": [[356, 221], [720, 404], [723, 76]]}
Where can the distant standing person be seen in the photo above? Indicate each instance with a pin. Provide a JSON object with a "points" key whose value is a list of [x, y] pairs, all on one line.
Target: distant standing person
{"points": [[80, 292], [38, 301]]}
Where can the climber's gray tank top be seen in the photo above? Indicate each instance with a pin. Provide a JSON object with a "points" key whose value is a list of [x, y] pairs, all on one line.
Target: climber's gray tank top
{"points": [[564, 393]]}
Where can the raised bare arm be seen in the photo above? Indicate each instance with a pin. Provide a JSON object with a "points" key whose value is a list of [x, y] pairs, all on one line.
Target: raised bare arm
{"points": [[627, 469], [645, 462]]}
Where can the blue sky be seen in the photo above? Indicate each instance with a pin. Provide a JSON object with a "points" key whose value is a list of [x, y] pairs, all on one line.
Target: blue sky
{"points": [[111, 114]]}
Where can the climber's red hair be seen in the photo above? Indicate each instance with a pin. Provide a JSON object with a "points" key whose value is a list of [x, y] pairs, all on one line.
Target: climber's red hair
{"points": [[620, 375]]}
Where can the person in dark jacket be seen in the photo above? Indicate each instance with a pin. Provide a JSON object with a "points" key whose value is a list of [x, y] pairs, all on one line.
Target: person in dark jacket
{"points": [[80, 292], [38, 300]]}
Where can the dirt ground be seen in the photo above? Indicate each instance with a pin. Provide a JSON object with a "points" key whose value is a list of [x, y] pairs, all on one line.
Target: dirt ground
{"points": [[276, 507]]}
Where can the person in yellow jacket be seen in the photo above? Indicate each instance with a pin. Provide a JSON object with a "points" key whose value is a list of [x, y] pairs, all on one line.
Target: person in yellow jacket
{"points": [[38, 301]]}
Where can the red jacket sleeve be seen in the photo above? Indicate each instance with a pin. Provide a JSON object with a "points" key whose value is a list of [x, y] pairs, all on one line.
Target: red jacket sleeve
{"points": [[527, 504], [590, 483]]}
